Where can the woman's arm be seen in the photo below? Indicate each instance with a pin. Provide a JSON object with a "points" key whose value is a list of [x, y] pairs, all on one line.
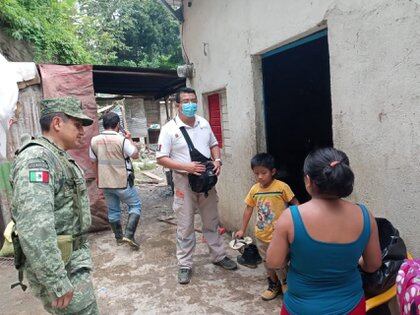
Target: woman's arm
{"points": [[372, 256], [279, 246]]}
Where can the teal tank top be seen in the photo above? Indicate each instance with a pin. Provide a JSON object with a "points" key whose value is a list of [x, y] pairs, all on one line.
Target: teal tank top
{"points": [[323, 278]]}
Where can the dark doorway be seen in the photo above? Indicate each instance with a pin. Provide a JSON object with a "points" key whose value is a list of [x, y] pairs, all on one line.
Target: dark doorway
{"points": [[297, 105]]}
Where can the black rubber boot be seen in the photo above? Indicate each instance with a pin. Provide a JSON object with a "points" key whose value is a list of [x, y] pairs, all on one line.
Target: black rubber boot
{"points": [[130, 230], [250, 257], [117, 229]]}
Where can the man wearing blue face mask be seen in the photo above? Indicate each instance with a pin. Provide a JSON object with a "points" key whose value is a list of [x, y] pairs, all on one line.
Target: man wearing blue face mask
{"points": [[174, 153]]}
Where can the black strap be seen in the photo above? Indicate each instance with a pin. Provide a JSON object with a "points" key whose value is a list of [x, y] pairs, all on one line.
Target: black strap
{"points": [[20, 274], [20, 277], [126, 159], [187, 138], [195, 155]]}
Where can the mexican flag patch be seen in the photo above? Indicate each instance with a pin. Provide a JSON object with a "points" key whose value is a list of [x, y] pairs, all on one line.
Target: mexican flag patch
{"points": [[39, 176]]}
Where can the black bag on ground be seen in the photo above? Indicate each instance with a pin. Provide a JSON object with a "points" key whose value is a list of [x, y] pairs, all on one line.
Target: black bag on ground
{"points": [[393, 254], [205, 181]]}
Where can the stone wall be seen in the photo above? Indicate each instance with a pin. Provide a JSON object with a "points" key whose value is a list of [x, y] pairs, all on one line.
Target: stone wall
{"points": [[15, 50]]}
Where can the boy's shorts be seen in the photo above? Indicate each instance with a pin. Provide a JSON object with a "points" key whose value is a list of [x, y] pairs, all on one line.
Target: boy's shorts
{"points": [[262, 249]]}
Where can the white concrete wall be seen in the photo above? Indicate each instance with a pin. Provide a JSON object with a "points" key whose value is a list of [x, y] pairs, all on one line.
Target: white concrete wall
{"points": [[375, 86], [375, 76]]}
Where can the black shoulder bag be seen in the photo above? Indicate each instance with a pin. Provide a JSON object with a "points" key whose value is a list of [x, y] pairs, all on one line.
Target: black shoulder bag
{"points": [[205, 181]]}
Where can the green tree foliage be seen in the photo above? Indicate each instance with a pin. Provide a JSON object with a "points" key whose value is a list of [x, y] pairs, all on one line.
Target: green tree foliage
{"points": [[152, 40], [48, 25], [101, 25], [114, 32]]}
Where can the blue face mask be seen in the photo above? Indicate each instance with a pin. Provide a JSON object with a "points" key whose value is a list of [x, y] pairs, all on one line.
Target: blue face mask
{"points": [[189, 109]]}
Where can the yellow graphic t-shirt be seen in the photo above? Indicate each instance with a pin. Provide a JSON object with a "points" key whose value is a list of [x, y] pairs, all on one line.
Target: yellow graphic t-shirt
{"points": [[270, 203]]}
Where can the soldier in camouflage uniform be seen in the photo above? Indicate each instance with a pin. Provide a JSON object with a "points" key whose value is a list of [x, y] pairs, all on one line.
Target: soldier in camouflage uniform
{"points": [[50, 202]]}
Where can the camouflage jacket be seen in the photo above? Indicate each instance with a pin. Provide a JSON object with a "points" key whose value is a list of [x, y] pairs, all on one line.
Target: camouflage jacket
{"points": [[49, 199]]}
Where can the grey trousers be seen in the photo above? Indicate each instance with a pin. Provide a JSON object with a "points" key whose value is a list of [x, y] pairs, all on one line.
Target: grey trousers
{"points": [[185, 204]]}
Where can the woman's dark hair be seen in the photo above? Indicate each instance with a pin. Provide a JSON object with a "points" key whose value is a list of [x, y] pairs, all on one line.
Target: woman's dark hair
{"points": [[183, 90], [263, 159], [330, 171], [110, 120]]}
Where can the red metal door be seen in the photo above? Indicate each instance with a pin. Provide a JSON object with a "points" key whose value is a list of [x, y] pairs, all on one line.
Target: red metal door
{"points": [[215, 116]]}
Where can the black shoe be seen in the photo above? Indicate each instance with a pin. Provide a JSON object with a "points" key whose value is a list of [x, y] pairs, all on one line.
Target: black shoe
{"points": [[130, 230], [243, 262], [117, 229], [184, 275], [250, 257], [227, 263]]}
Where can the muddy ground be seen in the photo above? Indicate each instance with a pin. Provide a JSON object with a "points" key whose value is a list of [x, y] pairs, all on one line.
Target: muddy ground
{"points": [[145, 282]]}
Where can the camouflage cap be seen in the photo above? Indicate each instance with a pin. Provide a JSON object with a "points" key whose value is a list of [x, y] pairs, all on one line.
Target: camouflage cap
{"points": [[68, 105]]}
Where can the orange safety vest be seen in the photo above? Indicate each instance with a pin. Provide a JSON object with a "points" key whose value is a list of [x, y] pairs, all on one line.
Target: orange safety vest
{"points": [[109, 152]]}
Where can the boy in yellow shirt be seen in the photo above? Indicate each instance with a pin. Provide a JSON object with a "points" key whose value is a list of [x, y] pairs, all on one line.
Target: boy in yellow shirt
{"points": [[271, 197]]}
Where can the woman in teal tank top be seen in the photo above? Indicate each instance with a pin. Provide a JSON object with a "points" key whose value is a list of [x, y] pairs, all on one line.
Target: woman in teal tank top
{"points": [[326, 239]]}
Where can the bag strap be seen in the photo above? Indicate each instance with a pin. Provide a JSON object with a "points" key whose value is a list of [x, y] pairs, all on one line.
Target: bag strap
{"points": [[127, 159], [195, 155], [18, 264], [187, 138], [20, 281]]}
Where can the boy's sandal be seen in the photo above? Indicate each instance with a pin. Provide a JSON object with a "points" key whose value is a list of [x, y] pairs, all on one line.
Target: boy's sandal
{"points": [[238, 243]]}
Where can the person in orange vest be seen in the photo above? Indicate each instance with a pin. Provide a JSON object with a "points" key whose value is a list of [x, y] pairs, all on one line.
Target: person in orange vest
{"points": [[112, 153]]}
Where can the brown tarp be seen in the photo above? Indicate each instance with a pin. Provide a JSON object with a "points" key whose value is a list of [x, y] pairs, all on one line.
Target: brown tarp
{"points": [[77, 81]]}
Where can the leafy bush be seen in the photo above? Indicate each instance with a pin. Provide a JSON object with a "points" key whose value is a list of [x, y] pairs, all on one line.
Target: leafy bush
{"points": [[48, 25], [114, 32]]}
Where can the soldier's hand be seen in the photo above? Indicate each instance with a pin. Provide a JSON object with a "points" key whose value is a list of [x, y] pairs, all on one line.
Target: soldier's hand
{"points": [[195, 168], [63, 301]]}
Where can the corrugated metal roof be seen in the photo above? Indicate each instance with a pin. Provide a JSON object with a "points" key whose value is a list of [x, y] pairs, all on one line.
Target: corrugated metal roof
{"points": [[155, 83]]}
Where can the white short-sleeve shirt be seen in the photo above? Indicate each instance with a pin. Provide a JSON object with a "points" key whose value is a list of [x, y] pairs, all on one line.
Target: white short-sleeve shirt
{"points": [[172, 144]]}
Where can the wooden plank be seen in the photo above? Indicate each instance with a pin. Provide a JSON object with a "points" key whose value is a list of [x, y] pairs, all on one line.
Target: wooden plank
{"points": [[25, 84]]}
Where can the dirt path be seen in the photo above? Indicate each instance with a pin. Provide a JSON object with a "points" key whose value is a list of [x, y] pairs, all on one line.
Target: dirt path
{"points": [[145, 282]]}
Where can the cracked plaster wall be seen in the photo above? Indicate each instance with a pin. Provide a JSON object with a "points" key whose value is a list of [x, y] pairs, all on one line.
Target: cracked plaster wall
{"points": [[375, 86]]}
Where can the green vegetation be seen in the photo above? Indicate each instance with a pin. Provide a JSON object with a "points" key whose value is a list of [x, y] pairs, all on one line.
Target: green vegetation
{"points": [[48, 26], [114, 32], [152, 38]]}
